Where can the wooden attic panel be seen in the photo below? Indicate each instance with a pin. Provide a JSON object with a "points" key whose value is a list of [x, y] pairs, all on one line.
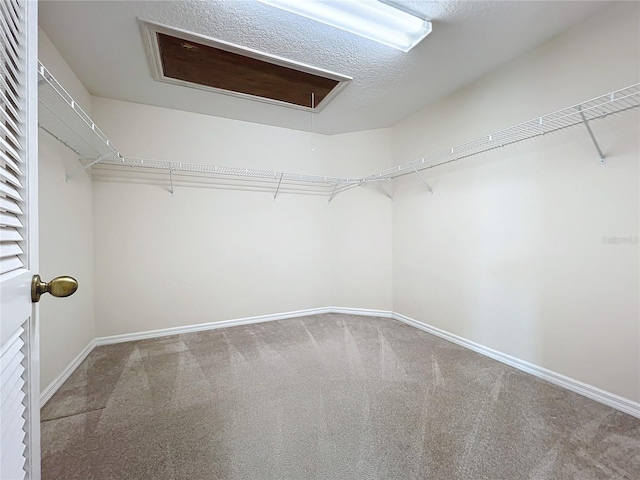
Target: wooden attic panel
{"points": [[213, 67]]}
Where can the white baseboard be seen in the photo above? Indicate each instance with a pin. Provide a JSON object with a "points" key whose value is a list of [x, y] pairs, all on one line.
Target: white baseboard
{"points": [[129, 337], [53, 387], [589, 391], [367, 312]]}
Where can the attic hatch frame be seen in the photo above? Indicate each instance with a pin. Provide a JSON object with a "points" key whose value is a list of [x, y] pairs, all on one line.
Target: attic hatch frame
{"points": [[70, 125], [150, 31]]}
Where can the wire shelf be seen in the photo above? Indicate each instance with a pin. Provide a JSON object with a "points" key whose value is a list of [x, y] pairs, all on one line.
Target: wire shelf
{"points": [[161, 177], [594, 109], [204, 169], [61, 116], [201, 175]]}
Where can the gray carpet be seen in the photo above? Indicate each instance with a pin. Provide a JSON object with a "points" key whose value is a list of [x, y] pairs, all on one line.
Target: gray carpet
{"points": [[323, 397]]}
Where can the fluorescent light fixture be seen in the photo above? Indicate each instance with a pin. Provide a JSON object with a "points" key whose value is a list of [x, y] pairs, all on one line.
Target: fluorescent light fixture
{"points": [[371, 19]]}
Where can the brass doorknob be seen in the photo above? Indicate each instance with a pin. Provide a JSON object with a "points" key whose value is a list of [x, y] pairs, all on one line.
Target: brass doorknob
{"points": [[58, 287]]}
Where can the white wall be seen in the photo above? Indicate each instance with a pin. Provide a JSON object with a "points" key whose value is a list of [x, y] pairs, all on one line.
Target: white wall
{"points": [[360, 231], [66, 237], [205, 255], [508, 251]]}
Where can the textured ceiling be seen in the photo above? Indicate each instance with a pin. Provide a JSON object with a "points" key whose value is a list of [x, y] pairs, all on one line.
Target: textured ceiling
{"points": [[102, 43]]}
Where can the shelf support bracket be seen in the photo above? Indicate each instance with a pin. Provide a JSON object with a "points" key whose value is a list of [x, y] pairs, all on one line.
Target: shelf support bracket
{"points": [[380, 187], [69, 176], [422, 178], [171, 180], [593, 137], [333, 192], [278, 187]]}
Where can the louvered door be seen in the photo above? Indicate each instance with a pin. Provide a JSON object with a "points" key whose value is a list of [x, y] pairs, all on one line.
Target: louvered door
{"points": [[19, 370]]}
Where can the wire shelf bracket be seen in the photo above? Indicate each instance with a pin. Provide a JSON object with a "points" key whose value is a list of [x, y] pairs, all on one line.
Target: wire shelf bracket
{"points": [[423, 180], [380, 188], [82, 168], [278, 187], [593, 137], [333, 193]]}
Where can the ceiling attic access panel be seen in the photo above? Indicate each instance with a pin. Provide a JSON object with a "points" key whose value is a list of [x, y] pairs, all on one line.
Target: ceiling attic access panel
{"points": [[187, 59], [213, 67]]}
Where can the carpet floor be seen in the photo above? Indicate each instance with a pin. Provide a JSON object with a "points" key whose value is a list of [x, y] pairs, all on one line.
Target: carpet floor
{"points": [[323, 397]]}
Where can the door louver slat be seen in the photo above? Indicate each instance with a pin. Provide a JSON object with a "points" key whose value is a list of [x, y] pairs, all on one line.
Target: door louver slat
{"points": [[10, 177], [8, 205], [7, 132], [10, 19], [10, 163], [9, 191], [10, 264], [9, 69], [9, 88], [8, 39], [10, 220], [10, 235], [10, 250], [9, 121], [8, 149], [5, 102], [12, 407]]}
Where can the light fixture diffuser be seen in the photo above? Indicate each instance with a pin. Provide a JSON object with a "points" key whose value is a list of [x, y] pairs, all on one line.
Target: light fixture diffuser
{"points": [[370, 19]]}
